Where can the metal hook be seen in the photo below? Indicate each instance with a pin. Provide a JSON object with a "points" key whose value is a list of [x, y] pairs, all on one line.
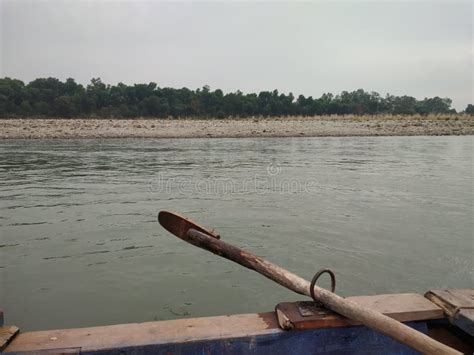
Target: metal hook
{"points": [[316, 277]]}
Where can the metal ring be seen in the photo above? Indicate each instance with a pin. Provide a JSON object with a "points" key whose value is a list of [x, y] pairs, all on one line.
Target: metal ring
{"points": [[316, 277]]}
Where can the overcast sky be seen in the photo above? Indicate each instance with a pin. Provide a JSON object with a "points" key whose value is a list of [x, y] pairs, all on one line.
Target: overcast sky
{"points": [[414, 48]]}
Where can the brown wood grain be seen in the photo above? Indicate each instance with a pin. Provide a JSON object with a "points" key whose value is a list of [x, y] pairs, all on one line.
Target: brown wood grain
{"points": [[402, 307], [7, 333], [452, 298], [140, 334]]}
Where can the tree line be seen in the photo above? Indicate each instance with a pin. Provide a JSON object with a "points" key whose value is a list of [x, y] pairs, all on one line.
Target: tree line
{"points": [[50, 97]]}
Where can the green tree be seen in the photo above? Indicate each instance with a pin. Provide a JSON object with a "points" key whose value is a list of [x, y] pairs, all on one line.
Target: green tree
{"points": [[52, 97], [469, 109], [65, 106], [25, 108]]}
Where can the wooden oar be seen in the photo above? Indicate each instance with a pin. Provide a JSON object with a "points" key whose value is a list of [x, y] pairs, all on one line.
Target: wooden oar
{"points": [[192, 233]]}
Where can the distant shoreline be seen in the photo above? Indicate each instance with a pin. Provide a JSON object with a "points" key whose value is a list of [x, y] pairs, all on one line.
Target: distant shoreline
{"points": [[318, 126]]}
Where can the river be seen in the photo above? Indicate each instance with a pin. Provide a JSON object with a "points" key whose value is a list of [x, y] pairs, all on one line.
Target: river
{"points": [[80, 244]]}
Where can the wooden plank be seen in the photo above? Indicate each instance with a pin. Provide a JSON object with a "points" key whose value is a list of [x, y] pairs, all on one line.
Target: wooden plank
{"points": [[460, 298], [402, 307], [7, 334], [457, 304], [142, 334]]}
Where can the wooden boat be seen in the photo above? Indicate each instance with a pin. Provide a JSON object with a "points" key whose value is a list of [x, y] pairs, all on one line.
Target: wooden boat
{"points": [[283, 331]]}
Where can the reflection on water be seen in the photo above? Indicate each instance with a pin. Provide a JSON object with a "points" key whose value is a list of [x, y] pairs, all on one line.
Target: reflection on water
{"points": [[80, 244]]}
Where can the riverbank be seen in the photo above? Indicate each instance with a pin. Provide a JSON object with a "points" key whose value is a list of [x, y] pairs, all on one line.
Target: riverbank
{"points": [[321, 126]]}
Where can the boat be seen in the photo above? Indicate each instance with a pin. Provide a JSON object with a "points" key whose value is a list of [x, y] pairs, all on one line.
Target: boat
{"points": [[292, 328]]}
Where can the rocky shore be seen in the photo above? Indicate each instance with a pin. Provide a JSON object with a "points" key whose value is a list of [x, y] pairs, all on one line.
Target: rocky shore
{"points": [[320, 126]]}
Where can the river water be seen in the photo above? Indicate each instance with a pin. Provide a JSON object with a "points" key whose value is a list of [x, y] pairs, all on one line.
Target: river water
{"points": [[80, 244]]}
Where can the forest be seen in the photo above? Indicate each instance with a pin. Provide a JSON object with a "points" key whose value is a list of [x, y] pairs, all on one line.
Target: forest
{"points": [[50, 97]]}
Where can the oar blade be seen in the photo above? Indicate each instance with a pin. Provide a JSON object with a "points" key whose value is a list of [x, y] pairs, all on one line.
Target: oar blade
{"points": [[179, 225]]}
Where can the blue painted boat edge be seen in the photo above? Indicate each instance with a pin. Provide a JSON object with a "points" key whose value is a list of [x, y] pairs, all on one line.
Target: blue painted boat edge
{"points": [[241, 333], [347, 340]]}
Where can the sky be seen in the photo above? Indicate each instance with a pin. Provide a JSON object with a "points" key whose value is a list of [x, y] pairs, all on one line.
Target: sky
{"points": [[421, 49]]}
